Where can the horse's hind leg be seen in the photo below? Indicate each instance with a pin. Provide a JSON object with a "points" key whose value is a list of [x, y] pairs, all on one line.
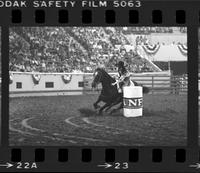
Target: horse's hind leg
{"points": [[103, 107], [109, 107], [120, 107], [113, 104]]}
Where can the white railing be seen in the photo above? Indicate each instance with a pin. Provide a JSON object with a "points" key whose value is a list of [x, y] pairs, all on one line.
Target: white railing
{"points": [[83, 73]]}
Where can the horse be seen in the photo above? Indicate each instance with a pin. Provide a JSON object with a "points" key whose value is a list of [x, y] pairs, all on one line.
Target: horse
{"points": [[109, 93]]}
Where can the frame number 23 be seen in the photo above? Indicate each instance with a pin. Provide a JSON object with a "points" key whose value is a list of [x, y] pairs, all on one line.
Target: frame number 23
{"points": [[123, 165]]}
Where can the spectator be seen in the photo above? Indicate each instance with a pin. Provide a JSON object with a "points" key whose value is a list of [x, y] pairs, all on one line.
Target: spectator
{"points": [[68, 49]]}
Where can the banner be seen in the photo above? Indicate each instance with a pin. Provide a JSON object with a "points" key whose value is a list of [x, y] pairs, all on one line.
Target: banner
{"points": [[66, 78], [36, 78], [182, 48], [151, 49]]}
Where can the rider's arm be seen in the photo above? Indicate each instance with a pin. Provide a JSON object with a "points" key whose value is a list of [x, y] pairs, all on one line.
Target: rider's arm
{"points": [[122, 77], [117, 81]]}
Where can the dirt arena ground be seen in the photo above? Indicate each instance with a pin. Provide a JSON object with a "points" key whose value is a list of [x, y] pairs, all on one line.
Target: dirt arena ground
{"points": [[72, 121]]}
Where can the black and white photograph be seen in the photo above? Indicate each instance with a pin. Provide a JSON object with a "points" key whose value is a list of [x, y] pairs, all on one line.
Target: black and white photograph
{"points": [[0, 87], [98, 86]]}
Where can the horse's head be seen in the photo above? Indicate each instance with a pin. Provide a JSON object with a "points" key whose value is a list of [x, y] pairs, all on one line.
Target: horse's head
{"points": [[97, 77]]}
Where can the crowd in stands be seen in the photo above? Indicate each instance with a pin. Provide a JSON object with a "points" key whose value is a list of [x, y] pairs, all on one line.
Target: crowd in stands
{"points": [[74, 49], [150, 30], [183, 29], [44, 49]]}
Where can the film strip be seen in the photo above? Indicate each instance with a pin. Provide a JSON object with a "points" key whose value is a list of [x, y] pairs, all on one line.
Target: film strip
{"points": [[138, 58]]}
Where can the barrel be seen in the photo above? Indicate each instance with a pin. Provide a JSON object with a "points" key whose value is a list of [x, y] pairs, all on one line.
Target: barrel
{"points": [[132, 101]]}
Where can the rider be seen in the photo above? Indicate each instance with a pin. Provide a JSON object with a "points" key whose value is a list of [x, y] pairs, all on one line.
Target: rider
{"points": [[123, 76]]}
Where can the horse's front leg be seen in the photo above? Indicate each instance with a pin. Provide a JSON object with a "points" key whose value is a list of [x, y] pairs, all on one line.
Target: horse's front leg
{"points": [[96, 106]]}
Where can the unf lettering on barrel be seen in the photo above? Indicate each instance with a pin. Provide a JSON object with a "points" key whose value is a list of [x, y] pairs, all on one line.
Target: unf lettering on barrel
{"points": [[132, 101]]}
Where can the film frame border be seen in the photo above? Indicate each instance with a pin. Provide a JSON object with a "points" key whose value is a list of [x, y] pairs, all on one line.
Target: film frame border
{"points": [[121, 153]]}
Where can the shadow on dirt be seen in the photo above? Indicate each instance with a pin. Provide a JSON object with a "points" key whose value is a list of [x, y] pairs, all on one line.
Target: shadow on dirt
{"points": [[146, 113], [86, 112], [150, 113]]}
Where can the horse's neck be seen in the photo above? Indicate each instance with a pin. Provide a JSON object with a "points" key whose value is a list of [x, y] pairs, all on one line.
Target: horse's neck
{"points": [[107, 86], [108, 81]]}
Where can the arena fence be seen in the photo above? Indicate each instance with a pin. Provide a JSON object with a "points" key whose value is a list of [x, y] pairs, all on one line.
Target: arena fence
{"points": [[46, 84], [158, 82]]}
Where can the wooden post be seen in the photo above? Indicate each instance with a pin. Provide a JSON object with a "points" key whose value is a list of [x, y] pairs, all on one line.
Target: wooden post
{"points": [[152, 84], [172, 82]]}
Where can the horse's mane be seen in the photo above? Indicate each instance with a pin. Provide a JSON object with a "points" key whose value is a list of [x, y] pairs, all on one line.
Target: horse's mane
{"points": [[105, 73]]}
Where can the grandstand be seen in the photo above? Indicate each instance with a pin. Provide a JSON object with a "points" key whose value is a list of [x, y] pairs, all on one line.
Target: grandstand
{"points": [[81, 49]]}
